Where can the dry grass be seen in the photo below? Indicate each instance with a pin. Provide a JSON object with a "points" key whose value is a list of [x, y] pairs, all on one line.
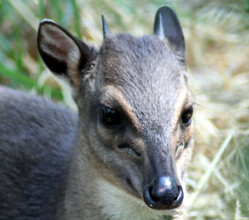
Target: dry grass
{"points": [[218, 177], [217, 39]]}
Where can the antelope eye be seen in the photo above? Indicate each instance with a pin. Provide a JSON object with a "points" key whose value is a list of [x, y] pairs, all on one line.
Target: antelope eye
{"points": [[187, 116], [109, 117]]}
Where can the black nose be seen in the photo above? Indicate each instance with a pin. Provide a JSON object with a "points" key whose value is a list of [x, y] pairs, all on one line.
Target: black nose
{"points": [[163, 193]]}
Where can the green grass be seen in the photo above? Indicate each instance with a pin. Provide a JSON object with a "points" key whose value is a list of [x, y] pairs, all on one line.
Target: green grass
{"points": [[216, 35]]}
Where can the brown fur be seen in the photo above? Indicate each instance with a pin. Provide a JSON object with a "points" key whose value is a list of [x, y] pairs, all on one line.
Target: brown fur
{"points": [[144, 81], [103, 169]]}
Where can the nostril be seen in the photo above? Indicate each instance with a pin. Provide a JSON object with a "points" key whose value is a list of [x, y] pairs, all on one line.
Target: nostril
{"points": [[153, 197], [179, 189], [149, 199], [179, 198]]}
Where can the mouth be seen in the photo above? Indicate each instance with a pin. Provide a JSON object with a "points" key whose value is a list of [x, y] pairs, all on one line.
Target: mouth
{"points": [[132, 190]]}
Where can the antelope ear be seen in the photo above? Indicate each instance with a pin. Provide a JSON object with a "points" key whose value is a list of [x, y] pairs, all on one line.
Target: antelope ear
{"points": [[63, 53], [167, 26]]}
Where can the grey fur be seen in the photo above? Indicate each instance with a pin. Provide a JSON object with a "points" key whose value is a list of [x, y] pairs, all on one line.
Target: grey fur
{"points": [[34, 155], [57, 165]]}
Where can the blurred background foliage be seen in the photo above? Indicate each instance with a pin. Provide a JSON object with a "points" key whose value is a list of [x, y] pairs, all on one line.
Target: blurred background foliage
{"points": [[217, 37]]}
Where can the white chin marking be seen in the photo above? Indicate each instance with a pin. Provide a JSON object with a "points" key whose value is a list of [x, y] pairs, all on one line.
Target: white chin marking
{"points": [[116, 204]]}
